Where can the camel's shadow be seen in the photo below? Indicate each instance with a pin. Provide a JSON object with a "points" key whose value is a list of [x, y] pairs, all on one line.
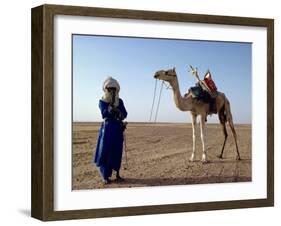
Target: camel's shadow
{"points": [[220, 160], [230, 160]]}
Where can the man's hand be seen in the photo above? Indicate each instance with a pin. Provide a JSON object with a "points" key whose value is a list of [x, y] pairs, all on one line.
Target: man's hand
{"points": [[115, 111], [109, 108]]}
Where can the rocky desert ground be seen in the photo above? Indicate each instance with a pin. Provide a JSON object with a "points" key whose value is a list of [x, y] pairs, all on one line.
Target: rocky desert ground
{"points": [[158, 153]]}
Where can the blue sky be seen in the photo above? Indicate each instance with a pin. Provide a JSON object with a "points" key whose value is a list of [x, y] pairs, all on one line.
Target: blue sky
{"points": [[133, 62]]}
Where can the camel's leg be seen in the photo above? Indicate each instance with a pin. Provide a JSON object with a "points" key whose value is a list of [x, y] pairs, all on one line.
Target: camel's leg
{"points": [[202, 130], [225, 137], [235, 138], [193, 123]]}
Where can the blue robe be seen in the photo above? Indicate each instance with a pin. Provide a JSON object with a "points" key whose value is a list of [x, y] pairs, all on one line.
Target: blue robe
{"points": [[109, 148]]}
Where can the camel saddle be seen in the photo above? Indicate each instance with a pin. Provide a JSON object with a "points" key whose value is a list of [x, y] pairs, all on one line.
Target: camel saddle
{"points": [[203, 95], [206, 91]]}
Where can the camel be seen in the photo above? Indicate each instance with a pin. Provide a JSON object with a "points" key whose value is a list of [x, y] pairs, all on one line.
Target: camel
{"points": [[201, 109]]}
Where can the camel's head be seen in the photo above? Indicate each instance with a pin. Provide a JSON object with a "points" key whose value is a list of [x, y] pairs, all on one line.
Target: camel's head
{"points": [[168, 75]]}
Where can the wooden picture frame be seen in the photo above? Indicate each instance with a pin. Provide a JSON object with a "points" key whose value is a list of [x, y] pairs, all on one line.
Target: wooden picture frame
{"points": [[42, 203]]}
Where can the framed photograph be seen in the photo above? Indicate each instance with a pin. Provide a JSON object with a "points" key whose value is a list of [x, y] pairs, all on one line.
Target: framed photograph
{"points": [[142, 112]]}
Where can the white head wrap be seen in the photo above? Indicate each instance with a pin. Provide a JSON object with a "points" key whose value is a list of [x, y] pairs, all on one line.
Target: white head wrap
{"points": [[111, 83]]}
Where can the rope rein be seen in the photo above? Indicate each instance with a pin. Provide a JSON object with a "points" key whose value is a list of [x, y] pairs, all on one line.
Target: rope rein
{"points": [[167, 86], [156, 114], [159, 98], [154, 94]]}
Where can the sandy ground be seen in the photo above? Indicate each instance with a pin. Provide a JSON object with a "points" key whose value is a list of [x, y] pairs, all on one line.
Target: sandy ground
{"points": [[158, 154]]}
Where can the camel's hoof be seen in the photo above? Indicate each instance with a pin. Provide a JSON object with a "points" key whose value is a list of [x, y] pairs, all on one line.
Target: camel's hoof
{"points": [[204, 158], [238, 158], [205, 161], [219, 156], [191, 159]]}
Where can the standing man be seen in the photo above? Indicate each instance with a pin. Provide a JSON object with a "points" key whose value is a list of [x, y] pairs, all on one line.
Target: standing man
{"points": [[109, 148]]}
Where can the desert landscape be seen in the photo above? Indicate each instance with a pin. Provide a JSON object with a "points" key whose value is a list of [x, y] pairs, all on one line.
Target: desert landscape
{"points": [[157, 154]]}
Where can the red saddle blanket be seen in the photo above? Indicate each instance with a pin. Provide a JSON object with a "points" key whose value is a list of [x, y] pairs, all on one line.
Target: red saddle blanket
{"points": [[209, 82]]}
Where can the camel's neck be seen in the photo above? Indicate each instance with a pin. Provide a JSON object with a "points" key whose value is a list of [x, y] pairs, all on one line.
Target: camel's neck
{"points": [[179, 100]]}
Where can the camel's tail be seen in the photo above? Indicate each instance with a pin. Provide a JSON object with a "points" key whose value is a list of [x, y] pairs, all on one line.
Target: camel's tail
{"points": [[225, 112], [226, 116], [228, 111]]}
